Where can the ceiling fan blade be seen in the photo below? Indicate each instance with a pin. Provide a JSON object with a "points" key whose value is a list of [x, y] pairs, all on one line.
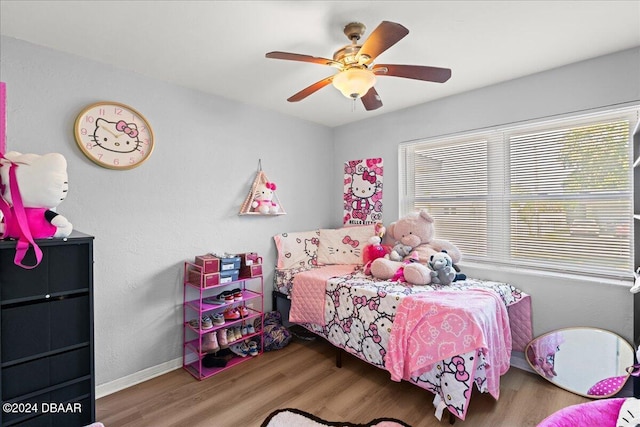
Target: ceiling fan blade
{"points": [[417, 72], [371, 100], [303, 58], [310, 89], [382, 38]]}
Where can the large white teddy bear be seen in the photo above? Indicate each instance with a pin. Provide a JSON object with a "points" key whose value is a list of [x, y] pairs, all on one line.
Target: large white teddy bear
{"points": [[42, 183], [415, 230]]}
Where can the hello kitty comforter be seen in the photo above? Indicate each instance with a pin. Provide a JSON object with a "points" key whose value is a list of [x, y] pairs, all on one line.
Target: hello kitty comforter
{"points": [[441, 338]]}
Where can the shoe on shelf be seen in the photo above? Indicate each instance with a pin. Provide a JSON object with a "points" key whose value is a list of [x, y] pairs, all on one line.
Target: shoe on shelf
{"points": [[213, 301], [207, 323], [238, 332], [232, 314], [217, 319], [222, 338], [237, 294], [231, 335], [239, 349], [194, 323], [250, 329], [225, 296], [244, 331], [210, 343], [253, 348], [244, 346], [244, 311], [213, 361]]}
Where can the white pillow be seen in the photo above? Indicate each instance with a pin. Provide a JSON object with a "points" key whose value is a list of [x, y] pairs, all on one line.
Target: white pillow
{"points": [[344, 245], [297, 249]]}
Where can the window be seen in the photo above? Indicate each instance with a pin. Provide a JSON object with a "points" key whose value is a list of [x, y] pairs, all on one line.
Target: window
{"points": [[553, 196]]}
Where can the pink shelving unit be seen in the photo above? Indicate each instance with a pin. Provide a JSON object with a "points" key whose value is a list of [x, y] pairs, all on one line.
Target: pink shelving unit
{"points": [[195, 306]]}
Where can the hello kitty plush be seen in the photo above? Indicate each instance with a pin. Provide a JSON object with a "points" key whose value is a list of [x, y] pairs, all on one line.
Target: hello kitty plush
{"points": [[263, 199], [31, 187]]}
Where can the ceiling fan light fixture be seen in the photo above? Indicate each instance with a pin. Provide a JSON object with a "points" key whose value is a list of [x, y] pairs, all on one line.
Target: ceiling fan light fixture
{"points": [[354, 82], [357, 75]]}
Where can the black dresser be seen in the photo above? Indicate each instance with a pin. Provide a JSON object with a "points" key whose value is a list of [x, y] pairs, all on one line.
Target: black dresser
{"points": [[46, 346]]}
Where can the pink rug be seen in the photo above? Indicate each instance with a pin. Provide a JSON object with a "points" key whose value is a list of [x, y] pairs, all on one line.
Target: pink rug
{"points": [[295, 417]]}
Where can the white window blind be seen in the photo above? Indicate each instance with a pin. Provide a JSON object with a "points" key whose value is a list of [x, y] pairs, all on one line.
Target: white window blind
{"points": [[555, 196]]}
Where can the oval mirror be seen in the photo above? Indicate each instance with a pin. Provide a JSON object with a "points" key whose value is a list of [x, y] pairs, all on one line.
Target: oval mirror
{"points": [[591, 362]]}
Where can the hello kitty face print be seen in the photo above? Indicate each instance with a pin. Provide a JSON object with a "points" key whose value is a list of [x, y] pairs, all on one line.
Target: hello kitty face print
{"points": [[348, 250], [119, 137], [629, 414], [363, 191]]}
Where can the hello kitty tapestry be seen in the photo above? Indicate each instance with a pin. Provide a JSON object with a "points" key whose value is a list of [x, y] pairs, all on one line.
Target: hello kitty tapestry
{"points": [[363, 191]]}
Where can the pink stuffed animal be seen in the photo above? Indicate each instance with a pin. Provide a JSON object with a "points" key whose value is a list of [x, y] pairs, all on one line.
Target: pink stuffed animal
{"points": [[415, 230], [399, 276]]}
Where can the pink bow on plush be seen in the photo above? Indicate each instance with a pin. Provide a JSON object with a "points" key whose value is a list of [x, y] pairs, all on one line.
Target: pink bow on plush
{"points": [[347, 240], [123, 126], [271, 186], [369, 176]]}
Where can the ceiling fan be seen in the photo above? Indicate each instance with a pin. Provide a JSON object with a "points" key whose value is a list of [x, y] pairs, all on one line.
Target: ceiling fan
{"points": [[357, 74]]}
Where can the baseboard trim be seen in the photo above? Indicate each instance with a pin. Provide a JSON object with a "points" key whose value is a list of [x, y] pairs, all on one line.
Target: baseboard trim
{"points": [[106, 389]]}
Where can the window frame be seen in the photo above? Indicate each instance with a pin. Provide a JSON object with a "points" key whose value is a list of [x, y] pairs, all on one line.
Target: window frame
{"points": [[498, 226]]}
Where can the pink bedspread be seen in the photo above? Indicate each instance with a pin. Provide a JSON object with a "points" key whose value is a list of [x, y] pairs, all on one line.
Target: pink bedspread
{"points": [[356, 313], [308, 292], [434, 326]]}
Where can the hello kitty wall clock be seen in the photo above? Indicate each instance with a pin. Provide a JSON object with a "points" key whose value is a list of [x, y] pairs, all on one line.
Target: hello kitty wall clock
{"points": [[114, 135]]}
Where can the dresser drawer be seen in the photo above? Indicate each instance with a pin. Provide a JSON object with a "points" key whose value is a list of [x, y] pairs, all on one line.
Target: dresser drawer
{"points": [[23, 378], [63, 268], [36, 328]]}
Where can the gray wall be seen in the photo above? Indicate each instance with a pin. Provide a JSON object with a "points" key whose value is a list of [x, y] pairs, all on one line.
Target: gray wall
{"points": [[182, 202], [605, 81]]}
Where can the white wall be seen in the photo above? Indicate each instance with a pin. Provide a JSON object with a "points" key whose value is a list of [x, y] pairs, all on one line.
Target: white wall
{"points": [[182, 202], [606, 81]]}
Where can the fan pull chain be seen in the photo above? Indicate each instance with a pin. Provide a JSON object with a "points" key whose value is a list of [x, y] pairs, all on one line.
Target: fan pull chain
{"points": [[353, 105]]}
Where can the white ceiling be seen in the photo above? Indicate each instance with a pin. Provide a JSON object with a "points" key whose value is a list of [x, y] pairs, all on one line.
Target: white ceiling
{"points": [[219, 47]]}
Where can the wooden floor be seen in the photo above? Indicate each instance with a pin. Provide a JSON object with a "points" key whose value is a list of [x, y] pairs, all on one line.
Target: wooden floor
{"points": [[303, 375]]}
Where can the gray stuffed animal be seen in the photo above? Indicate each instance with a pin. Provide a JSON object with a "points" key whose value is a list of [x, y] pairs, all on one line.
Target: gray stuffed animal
{"points": [[441, 265], [399, 251]]}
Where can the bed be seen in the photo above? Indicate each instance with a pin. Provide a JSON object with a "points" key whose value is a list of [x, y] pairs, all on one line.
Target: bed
{"points": [[443, 339]]}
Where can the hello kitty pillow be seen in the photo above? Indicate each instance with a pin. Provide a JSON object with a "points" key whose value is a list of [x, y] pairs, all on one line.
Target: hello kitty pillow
{"points": [[297, 250], [344, 245]]}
